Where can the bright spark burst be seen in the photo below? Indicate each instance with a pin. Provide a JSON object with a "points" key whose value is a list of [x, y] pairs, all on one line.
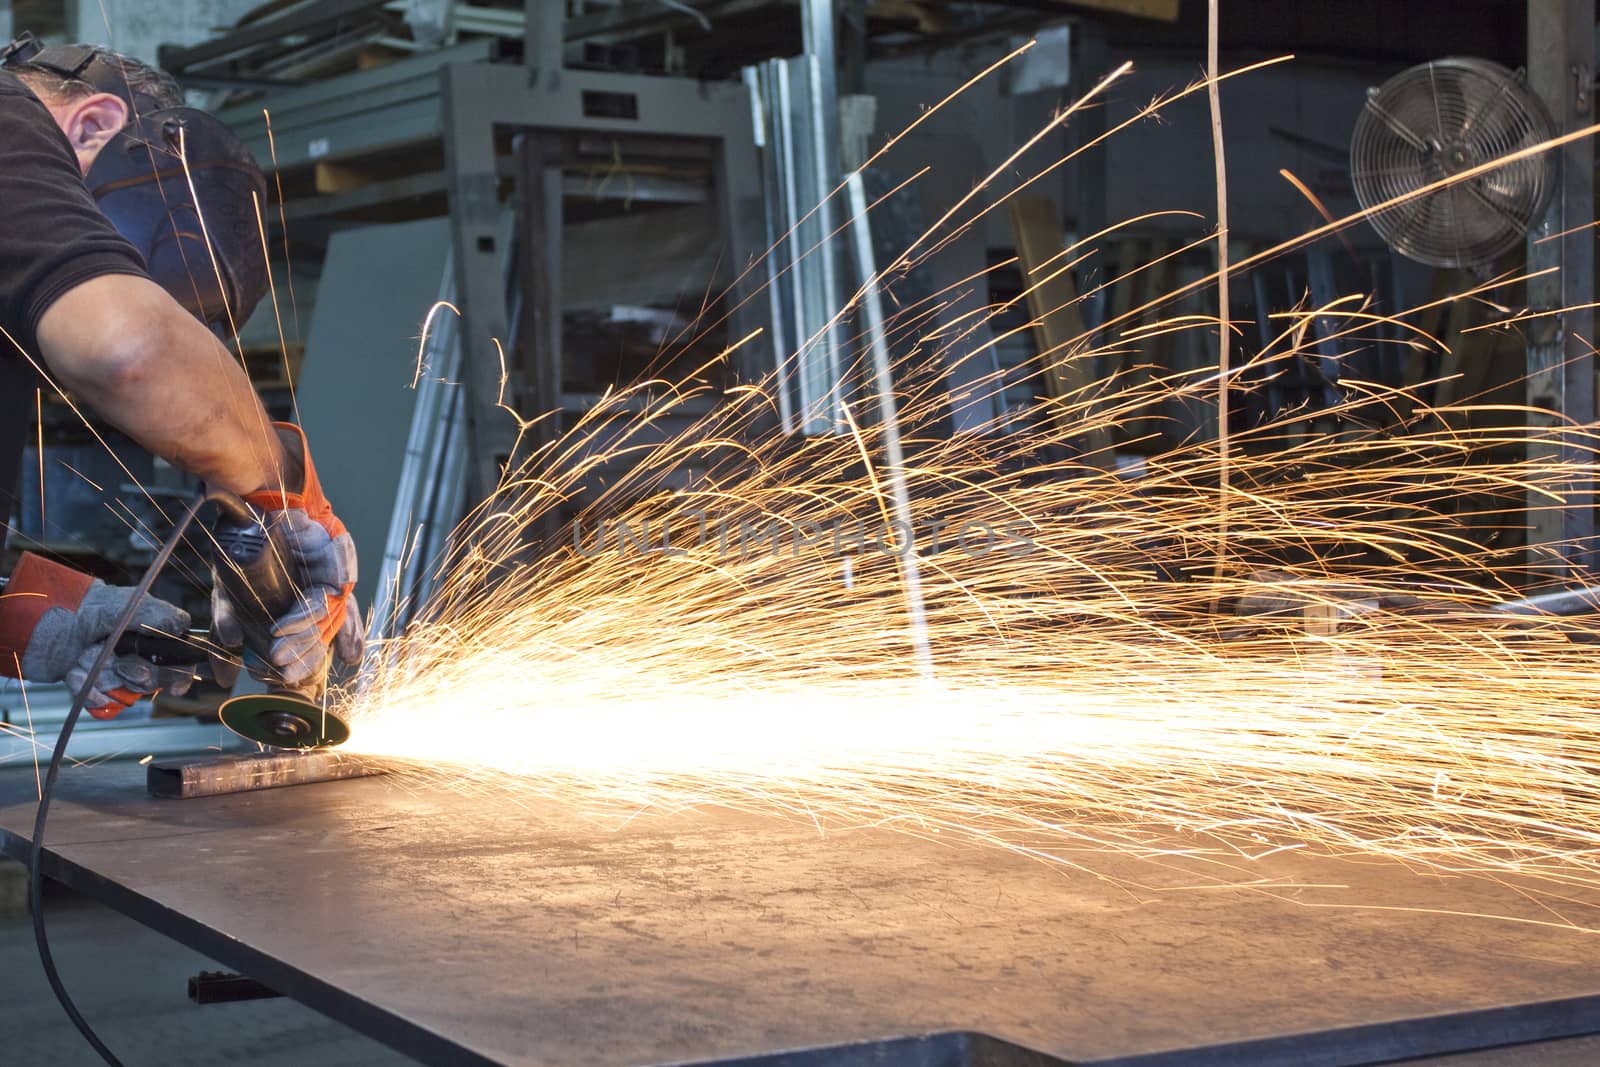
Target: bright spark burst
{"points": [[1086, 691], [1338, 682]]}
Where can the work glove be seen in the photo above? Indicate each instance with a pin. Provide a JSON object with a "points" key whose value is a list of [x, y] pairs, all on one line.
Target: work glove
{"points": [[55, 620], [323, 567]]}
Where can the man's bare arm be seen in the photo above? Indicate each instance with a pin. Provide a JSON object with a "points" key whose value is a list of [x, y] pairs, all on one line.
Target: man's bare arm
{"points": [[130, 352]]}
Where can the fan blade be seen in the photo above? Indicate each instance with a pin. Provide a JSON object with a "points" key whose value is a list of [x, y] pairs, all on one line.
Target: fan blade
{"points": [[1455, 227], [1399, 128], [1494, 205], [1415, 229], [1433, 98], [1484, 110]]}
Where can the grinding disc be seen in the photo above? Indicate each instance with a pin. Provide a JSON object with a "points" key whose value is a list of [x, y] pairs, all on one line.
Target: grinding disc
{"points": [[283, 721]]}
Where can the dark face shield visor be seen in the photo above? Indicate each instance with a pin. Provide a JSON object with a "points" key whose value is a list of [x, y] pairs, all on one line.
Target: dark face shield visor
{"points": [[168, 210]]}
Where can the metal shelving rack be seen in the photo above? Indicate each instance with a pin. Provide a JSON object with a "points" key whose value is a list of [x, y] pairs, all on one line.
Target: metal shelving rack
{"points": [[468, 130]]}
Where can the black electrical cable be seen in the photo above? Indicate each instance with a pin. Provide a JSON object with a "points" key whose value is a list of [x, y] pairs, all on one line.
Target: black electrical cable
{"points": [[36, 847]]}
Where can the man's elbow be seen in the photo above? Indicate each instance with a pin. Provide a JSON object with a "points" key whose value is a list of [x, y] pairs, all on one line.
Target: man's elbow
{"points": [[121, 366], [109, 344]]}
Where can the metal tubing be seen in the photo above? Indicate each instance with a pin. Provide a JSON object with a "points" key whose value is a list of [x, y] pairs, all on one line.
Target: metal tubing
{"points": [[218, 775], [823, 177], [446, 506], [788, 170], [441, 361], [888, 414], [759, 81], [478, 98], [542, 43], [1562, 602], [306, 20]]}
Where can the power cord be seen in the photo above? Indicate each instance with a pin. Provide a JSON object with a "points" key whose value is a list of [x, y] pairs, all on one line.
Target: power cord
{"points": [[36, 848]]}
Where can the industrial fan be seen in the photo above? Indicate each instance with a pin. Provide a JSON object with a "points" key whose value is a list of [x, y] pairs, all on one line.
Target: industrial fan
{"points": [[1438, 120]]}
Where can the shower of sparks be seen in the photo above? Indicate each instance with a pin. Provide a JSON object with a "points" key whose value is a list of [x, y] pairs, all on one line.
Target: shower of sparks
{"points": [[649, 617], [619, 624]]}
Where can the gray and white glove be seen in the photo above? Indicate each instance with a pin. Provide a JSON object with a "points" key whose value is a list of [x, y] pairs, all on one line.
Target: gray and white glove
{"points": [[322, 565], [324, 568], [55, 620]]}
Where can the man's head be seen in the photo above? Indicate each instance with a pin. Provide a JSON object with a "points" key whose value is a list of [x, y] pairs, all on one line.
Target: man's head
{"points": [[150, 163], [94, 93]]}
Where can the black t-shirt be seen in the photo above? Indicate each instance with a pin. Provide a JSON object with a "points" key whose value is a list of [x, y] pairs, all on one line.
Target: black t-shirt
{"points": [[52, 238]]}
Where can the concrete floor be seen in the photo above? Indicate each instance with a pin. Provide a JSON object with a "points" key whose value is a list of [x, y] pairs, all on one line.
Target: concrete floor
{"points": [[1577, 1052], [131, 984]]}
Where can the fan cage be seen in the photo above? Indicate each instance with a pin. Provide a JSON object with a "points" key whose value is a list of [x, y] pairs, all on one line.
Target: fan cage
{"points": [[1438, 120]]}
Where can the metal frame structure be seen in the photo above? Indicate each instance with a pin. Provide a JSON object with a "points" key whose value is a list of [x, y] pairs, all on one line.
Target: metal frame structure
{"points": [[205, 63], [459, 98], [1560, 362], [544, 107], [392, 106]]}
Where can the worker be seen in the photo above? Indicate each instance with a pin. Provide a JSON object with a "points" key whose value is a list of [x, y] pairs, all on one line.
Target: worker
{"points": [[81, 309]]}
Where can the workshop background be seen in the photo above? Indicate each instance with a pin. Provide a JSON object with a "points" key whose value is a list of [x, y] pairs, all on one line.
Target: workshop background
{"points": [[416, 153]]}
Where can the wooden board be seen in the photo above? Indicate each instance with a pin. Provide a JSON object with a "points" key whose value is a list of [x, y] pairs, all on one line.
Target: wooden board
{"points": [[1058, 322]]}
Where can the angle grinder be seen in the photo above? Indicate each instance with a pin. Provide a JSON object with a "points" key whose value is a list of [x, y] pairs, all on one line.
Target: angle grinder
{"points": [[250, 550], [287, 722], [251, 553]]}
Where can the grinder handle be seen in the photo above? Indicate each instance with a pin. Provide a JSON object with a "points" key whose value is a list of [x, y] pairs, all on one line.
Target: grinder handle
{"points": [[164, 650], [254, 571], [252, 556], [233, 507]]}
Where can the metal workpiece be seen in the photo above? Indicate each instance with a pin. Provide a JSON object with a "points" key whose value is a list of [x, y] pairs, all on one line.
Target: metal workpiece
{"points": [[482, 925], [207, 776]]}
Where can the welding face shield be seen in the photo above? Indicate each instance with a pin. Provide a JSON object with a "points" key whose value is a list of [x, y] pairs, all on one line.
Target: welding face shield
{"points": [[167, 210], [140, 182]]}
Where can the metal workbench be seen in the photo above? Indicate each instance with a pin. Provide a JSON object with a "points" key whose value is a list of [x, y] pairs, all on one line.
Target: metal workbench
{"points": [[468, 928]]}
